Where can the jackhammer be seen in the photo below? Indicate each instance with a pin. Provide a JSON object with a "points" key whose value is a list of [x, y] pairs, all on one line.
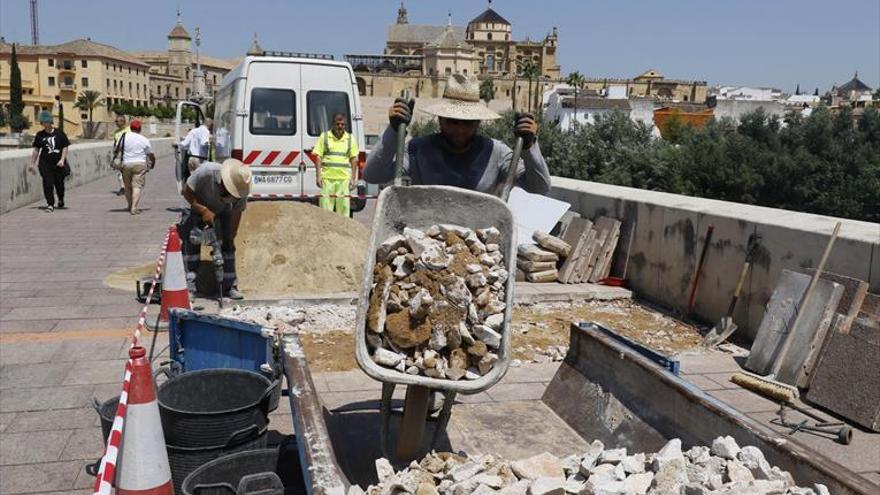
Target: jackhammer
{"points": [[210, 235]]}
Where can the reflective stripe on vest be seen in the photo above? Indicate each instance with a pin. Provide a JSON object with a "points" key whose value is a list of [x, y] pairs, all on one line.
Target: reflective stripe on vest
{"points": [[327, 152]]}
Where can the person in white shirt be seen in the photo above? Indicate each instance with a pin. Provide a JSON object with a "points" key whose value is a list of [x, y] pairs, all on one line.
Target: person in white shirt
{"points": [[197, 145], [137, 159]]}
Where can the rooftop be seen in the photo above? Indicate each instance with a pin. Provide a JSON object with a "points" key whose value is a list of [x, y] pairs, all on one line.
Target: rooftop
{"points": [[419, 33], [489, 16], [81, 47], [592, 103]]}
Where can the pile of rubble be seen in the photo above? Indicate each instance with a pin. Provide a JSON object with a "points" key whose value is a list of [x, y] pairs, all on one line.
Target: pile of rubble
{"points": [[313, 318], [438, 300], [723, 469]]}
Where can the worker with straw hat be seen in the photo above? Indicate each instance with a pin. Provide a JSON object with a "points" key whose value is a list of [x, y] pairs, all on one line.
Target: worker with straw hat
{"points": [[458, 155], [215, 191]]}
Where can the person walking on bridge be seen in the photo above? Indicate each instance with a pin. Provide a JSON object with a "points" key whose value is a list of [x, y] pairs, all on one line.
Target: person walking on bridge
{"points": [[457, 155], [50, 146], [121, 129], [336, 166], [197, 146], [137, 160]]}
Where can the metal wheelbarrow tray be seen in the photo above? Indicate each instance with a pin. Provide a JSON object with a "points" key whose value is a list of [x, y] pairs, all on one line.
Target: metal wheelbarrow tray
{"points": [[420, 207]]}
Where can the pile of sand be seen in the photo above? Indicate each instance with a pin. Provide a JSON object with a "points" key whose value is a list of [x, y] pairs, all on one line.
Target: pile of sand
{"points": [[285, 249]]}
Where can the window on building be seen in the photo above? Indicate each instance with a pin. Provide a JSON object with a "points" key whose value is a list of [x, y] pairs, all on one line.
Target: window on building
{"points": [[507, 37], [187, 74], [106, 65], [129, 89], [85, 82], [215, 78], [129, 70], [490, 63], [464, 72], [68, 64], [51, 80], [51, 62], [322, 106], [489, 36], [108, 84], [187, 93], [84, 116], [68, 82], [114, 85], [273, 111], [84, 63], [177, 92], [448, 71]]}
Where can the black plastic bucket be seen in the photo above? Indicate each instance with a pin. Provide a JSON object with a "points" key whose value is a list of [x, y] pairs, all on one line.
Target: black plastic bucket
{"points": [[185, 460], [107, 411], [209, 408], [252, 471]]}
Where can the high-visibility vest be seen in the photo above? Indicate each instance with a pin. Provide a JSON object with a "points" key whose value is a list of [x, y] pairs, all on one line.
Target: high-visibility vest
{"points": [[335, 157]]}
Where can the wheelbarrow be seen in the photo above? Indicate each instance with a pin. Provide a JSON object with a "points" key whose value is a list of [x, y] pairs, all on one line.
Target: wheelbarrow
{"points": [[420, 207]]}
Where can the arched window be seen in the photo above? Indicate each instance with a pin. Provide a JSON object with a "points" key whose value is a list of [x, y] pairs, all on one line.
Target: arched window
{"points": [[489, 36], [490, 63]]}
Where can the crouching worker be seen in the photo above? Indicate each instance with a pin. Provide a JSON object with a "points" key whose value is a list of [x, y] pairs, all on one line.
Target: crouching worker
{"points": [[215, 192]]}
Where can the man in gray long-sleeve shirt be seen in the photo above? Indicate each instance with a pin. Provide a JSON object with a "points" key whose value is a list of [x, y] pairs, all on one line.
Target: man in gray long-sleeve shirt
{"points": [[457, 155]]}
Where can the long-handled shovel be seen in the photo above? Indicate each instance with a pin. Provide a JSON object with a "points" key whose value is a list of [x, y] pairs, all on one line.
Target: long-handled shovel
{"points": [[725, 326]]}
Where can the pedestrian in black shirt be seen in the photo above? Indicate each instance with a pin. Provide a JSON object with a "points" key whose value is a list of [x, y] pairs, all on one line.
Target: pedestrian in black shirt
{"points": [[50, 145]]}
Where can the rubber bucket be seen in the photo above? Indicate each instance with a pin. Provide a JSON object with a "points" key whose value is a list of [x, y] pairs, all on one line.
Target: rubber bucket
{"points": [[209, 408], [249, 472], [185, 460], [107, 411]]}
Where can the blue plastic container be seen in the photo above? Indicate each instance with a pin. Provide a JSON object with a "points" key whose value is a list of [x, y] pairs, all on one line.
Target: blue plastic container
{"points": [[199, 341]]}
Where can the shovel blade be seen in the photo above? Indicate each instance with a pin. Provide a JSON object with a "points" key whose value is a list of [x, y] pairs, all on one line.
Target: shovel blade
{"points": [[720, 333]]}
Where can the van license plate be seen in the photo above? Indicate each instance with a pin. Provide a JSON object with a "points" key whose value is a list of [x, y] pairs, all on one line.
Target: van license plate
{"points": [[273, 179]]}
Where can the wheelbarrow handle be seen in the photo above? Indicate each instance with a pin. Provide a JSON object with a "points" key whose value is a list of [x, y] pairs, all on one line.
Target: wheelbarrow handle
{"points": [[510, 178]]}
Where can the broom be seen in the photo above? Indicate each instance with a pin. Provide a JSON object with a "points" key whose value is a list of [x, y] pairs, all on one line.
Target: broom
{"points": [[768, 386]]}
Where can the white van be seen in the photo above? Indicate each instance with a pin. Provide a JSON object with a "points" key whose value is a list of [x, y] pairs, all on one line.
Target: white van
{"points": [[269, 112]]}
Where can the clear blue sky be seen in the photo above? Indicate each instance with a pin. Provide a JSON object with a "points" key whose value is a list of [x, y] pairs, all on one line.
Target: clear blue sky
{"points": [[751, 42]]}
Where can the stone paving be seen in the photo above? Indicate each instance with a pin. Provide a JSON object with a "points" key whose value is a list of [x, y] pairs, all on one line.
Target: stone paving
{"points": [[63, 342]]}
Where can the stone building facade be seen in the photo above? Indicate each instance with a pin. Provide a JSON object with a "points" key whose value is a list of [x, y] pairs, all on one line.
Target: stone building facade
{"points": [[419, 58], [53, 74], [172, 71]]}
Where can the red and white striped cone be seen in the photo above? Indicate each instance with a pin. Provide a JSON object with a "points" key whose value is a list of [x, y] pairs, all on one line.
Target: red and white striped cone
{"points": [[174, 291], [142, 467]]}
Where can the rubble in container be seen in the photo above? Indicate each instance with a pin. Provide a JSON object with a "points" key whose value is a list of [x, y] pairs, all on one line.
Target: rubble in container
{"points": [[722, 469], [438, 301]]}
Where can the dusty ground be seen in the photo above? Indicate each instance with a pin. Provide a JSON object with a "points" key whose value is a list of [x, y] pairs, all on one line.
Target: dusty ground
{"points": [[536, 329]]}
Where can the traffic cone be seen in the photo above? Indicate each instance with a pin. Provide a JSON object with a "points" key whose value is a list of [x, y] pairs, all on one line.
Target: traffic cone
{"points": [[174, 291], [142, 467]]}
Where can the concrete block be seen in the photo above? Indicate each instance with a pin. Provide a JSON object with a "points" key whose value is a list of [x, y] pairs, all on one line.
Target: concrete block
{"points": [[846, 380], [544, 465], [781, 312], [854, 293]]}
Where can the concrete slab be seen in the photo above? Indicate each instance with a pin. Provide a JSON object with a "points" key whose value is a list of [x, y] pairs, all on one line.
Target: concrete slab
{"points": [[43, 399], [33, 447], [52, 419], [84, 444], [33, 375], [42, 477], [530, 293]]}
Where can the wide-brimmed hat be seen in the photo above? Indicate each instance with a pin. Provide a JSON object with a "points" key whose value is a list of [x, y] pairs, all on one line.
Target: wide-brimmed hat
{"points": [[461, 101], [236, 177]]}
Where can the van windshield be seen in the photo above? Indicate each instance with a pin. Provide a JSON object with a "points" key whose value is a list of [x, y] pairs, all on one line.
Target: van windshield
{"points": [[273, 111], [322, 106]]}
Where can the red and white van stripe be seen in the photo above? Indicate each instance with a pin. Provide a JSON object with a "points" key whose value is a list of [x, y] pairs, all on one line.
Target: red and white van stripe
{"points": [[272, 158]]}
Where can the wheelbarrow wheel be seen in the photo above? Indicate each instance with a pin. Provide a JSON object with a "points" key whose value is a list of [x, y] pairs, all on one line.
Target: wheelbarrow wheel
{"points": [[412, 425]]}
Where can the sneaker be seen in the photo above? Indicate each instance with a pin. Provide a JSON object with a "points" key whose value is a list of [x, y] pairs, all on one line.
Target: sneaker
{"points": [[234, 294], [61, 205], [121, 191], [50, 208]]}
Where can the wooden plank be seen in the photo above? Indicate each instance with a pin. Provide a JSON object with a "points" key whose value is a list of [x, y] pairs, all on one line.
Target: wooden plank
{"points": [[534, 266], [603, 259], [575, 235]]}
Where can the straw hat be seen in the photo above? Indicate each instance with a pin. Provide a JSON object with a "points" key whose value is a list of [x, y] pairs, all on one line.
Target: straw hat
{"points": [[236, 177], [461, 101]]}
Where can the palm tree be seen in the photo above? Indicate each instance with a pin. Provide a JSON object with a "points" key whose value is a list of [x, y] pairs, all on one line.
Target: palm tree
{"points": [[89, 100], [577, 81], [530, 71]]}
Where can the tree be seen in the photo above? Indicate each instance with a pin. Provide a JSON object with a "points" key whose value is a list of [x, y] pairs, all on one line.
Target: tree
{"points": [[530, 71], [487, 90], [576, 80], [89, 100], [3, 119], [17, 120], [797, 90]]}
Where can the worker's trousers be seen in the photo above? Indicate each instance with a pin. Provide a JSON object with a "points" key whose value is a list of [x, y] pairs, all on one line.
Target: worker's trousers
{"points": [[192, 252], [337, 187]]}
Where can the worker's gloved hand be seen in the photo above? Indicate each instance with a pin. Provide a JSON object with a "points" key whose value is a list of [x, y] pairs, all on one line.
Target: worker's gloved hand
{"points": [[208, 216], [401, 112], [525, 127]]}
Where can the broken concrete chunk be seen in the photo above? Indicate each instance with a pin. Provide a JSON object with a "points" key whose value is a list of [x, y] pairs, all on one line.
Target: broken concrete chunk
{"points": [[737, 472], [476, 280], [725, 447], [474, 268], [670, 452], [544, 465], [383, 469], [472, 374], [634, 463], [534, 253], [388, 246], [386, 357], [698, 454], [576, 482], [466, 337], [490, 235], [638, 484], [487, 362], [491, 248], [547, 486], [612, 456], [455, 373], [465, 471], [490, 337], [420, 305], [463, 232]]}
